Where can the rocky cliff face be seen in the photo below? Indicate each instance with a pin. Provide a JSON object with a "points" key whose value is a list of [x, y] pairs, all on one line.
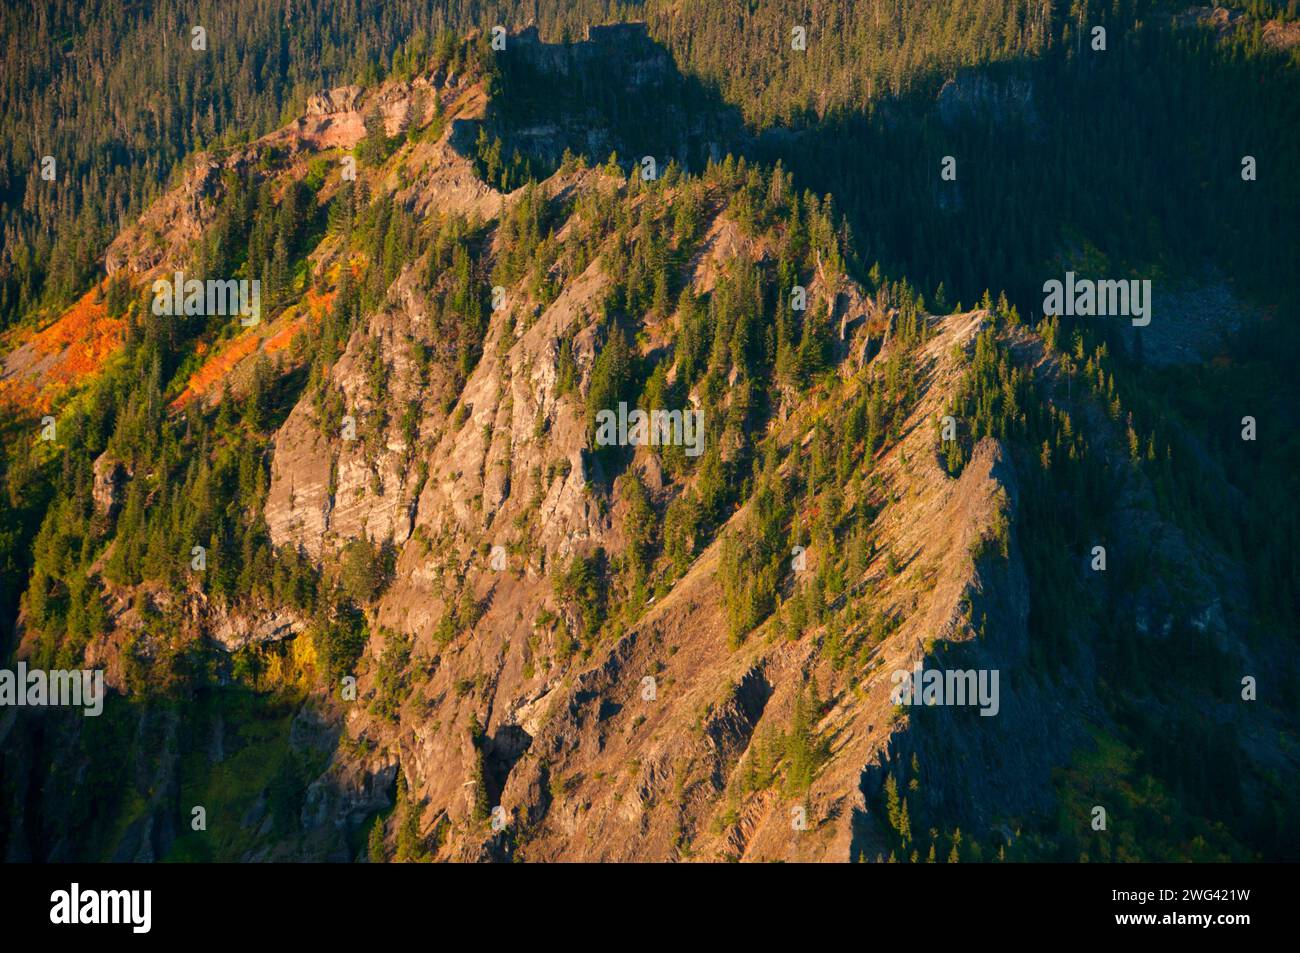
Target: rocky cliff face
{"points": [[578, 755], [583, 754], [1277, 34], [488, 720]]}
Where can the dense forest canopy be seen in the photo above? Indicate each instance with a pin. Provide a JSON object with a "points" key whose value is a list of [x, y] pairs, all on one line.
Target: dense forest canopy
{"points": [[116, 94]]}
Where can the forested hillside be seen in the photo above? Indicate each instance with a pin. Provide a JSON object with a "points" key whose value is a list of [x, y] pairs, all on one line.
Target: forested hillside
{"points": [[84, 82], [365, 579]]}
